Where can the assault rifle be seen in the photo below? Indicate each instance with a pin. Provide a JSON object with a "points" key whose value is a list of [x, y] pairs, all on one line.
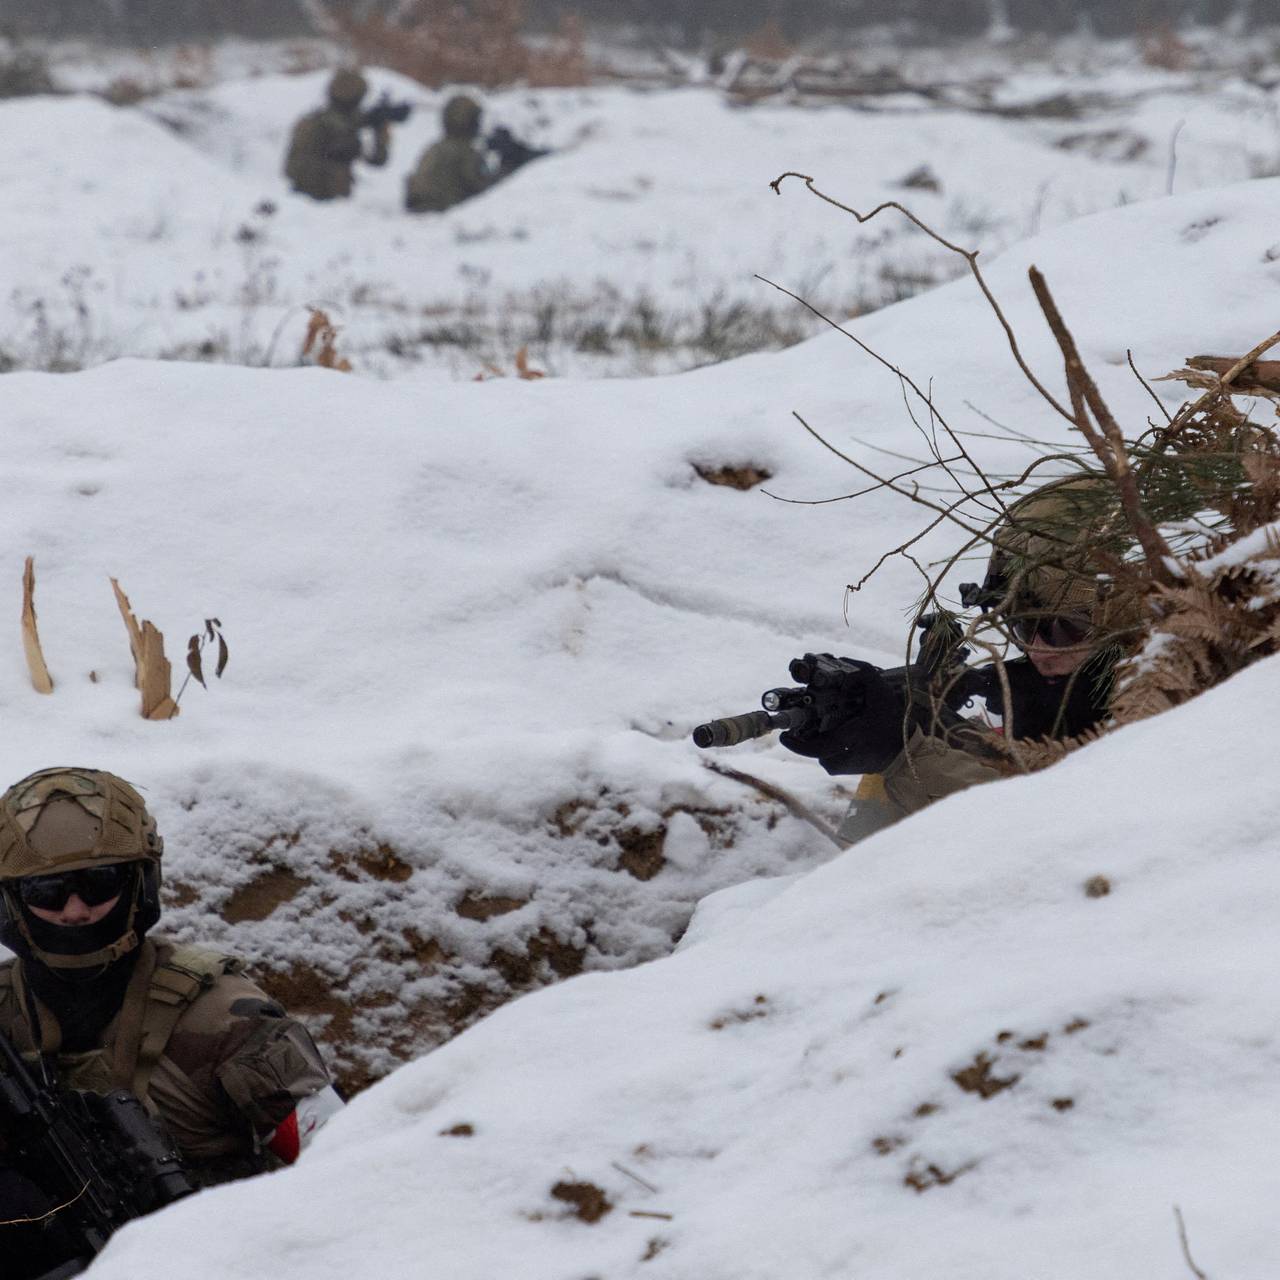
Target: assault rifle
{"points": [[98, 1160], [511, 152], [385, 112], [829, 695]]}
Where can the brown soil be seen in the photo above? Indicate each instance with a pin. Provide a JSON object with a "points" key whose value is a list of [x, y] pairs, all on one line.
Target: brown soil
{"points": [[978, 1078], [474, 906], [589, 1202], [745, 476], [262, 895]]}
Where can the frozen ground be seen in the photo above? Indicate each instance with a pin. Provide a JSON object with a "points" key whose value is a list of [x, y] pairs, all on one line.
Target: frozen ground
{"points": [[471, 626], [935, 1056], [470, 632], [166, 229]]}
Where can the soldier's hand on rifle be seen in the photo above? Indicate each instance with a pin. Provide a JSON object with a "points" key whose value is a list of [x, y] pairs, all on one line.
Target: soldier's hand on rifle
{"points": [[859, 726]]}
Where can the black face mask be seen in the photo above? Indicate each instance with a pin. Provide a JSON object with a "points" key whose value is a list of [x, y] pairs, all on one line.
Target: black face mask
{"points": [[81, 939]]}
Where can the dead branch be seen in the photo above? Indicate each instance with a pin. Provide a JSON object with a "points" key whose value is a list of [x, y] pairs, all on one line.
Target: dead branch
{"points": [[793, 804], [1168, 417], [1186, 1248], [906, 380], [969, 255], [1106, 439], [40, 678], [152, 675]]}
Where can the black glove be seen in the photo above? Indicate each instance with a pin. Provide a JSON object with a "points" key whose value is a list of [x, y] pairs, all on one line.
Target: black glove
{"points": [[859, 729]]}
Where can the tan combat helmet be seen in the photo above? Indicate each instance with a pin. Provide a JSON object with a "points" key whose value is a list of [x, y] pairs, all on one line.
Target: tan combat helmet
{"points": [[1049, 559], [69, 819], [347, 87]]}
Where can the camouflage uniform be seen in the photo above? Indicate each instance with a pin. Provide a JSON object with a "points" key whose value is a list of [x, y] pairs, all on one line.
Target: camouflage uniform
{"points": [[1043, 564], [326, 144], [451, 170], [226, 1071]]}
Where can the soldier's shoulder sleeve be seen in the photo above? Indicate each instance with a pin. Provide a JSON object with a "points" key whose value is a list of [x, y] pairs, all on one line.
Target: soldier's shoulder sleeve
{"points": [[929, 769], [475, 171], [265, 1061]]}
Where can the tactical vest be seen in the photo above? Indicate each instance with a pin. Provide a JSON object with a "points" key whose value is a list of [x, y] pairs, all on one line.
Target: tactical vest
{"points": [[144, 1023]]}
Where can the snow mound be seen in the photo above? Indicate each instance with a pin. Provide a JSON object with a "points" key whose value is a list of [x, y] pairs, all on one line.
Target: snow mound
{"points": [[471, 625], [1004, 1038]]}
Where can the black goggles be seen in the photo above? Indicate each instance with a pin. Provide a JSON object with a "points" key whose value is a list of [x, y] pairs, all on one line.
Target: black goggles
{"points": [[92, 885], [1056, 631]]}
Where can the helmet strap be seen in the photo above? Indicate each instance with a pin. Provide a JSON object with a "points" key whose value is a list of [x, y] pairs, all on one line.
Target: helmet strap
{"points": [[101, 958]]}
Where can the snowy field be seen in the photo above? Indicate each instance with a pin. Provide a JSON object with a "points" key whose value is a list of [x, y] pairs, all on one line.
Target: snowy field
{"points": [[166, 228], [472, 624]]}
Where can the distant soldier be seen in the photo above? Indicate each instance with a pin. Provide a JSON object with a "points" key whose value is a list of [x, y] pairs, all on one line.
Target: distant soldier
{"points": [[453, 169], [326, 143]]}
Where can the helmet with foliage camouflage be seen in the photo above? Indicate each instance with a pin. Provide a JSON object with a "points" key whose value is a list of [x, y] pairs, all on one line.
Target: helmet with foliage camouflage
{"points": [[461, 116], [347, 87], [1050, 556], [70, 819]]}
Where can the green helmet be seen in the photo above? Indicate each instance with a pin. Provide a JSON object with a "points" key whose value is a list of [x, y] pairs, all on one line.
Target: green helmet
{"points": [[1050, 554], [69, 819], [461, 116], [347, 87]]}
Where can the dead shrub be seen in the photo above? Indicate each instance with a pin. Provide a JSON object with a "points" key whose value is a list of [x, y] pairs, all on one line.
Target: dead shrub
{"points": [[481, 42], [1164, 49]]}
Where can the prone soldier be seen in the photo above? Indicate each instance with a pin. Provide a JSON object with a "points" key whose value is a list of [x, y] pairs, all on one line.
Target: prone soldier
{"points": [[1045, 589]]}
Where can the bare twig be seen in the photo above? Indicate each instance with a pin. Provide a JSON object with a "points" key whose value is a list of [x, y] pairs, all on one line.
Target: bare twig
{"points": [[793, 804], [844, 497], [969, 255], [1168, 417], [635, 1177], [1186, 1248], [645, 1213], [1106, 438]]}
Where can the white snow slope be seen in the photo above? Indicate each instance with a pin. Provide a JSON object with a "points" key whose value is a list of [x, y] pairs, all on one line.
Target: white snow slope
{"points": [[935, 1056], [454, 609], [141, 229]]}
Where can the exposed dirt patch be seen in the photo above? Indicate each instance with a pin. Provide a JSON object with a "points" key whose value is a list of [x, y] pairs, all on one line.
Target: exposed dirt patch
{"points": [[640, 844], [589, 1202], [1097, 887], [262, 895], [653, 1248], [921, 1176], [743, 476], [758, 1009], [1076, 1024], [177, 894], [458, 1131], [305, 991], [642, 851], [475, 906], [383, 863], [886, 1145], [979, 1078], [520, 969], [1063, 1104]]}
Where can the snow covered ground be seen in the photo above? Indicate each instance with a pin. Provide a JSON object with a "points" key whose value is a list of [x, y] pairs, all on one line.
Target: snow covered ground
{"points": [[937, 1055], [471, 626], [634, 249]]}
